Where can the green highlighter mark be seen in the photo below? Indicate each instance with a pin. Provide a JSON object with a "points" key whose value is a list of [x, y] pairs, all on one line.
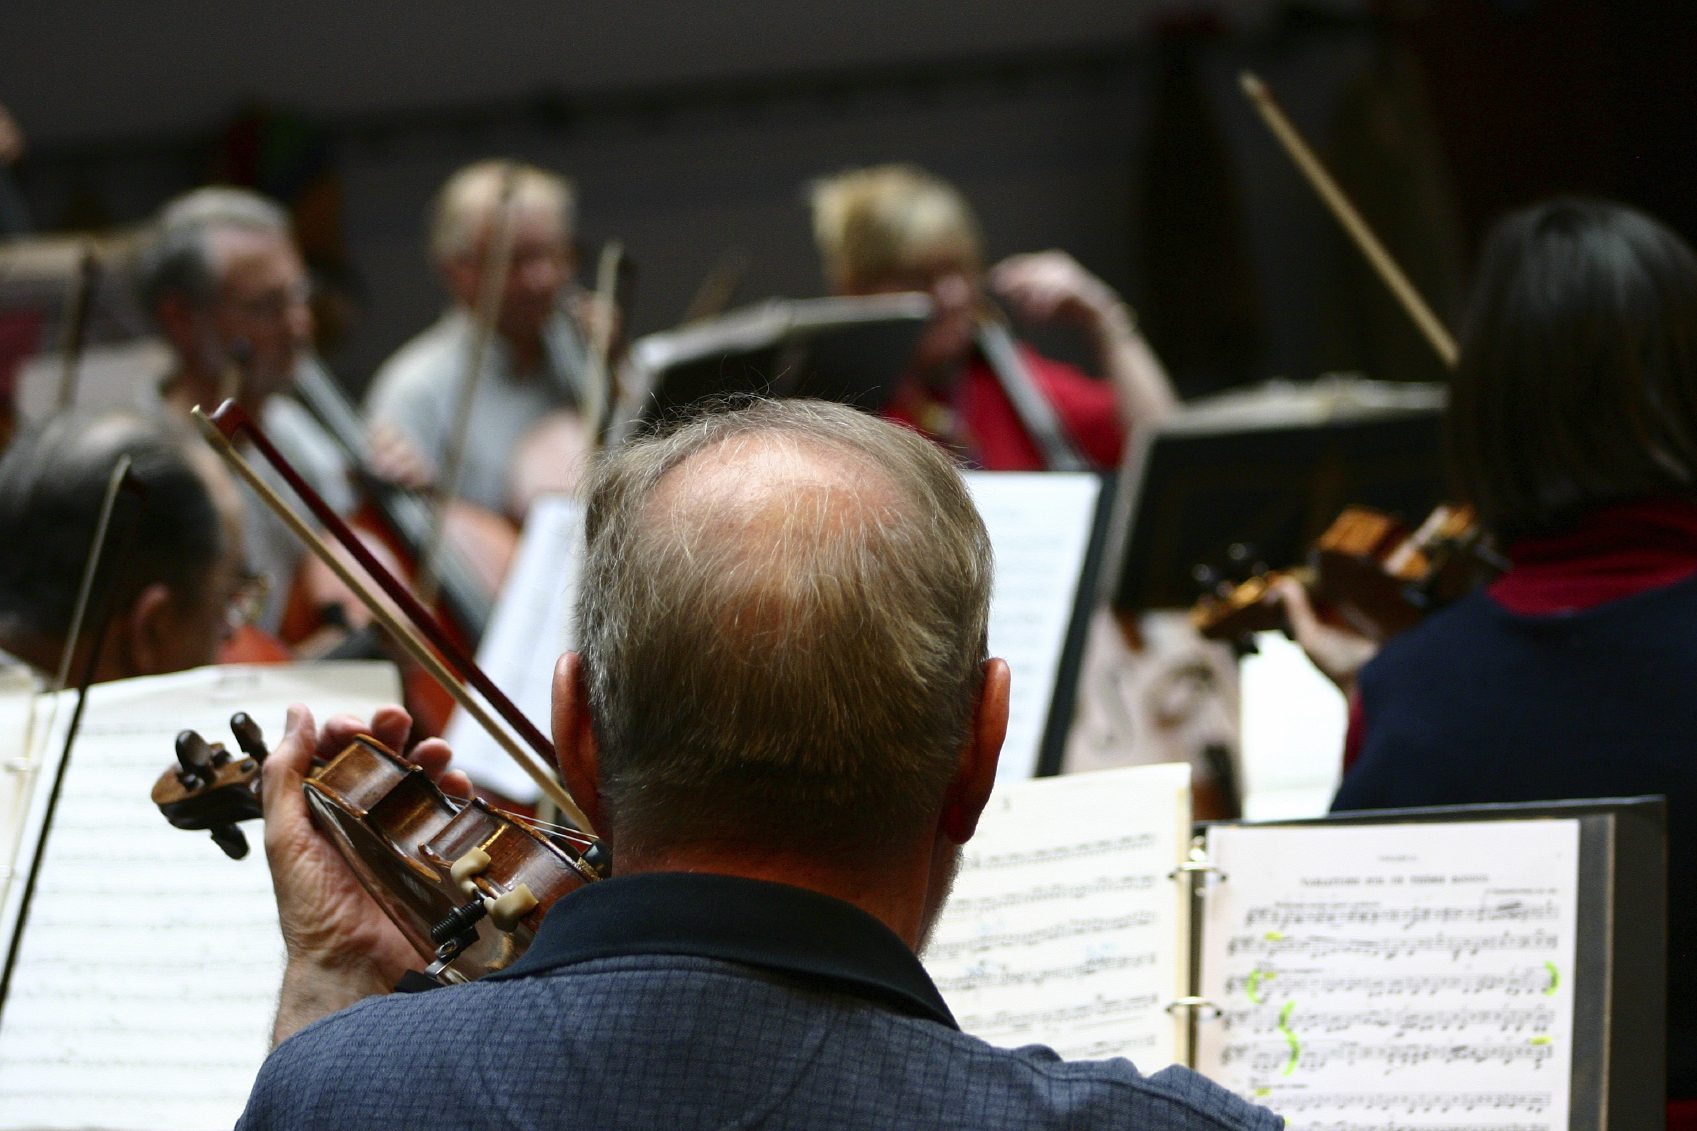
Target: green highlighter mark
{"points": [[1541, 1041], [1290, 1039], [1555, 979], [1253, 985]]}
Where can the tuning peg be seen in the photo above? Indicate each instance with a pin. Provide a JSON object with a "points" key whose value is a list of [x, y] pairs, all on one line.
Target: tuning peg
{"points": [[197, 759], [231, 839], [248, 736]]}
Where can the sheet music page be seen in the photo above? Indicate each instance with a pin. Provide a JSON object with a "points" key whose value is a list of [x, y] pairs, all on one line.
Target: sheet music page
{"points": [[532, 624], [1293, 722], [1414, 975], [1065, 928], [148, 970], [17, 764], [1039, 524]]}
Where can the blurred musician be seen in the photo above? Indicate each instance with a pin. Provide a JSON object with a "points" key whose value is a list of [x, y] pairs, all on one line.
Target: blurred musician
{"points": [[896, 228], [225, 283], [536, 361], [178, 593], [1572, 430]]}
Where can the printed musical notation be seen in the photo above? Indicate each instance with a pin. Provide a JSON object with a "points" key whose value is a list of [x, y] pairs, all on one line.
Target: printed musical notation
{"points": [[148, 967], [1351, 958], [1073, 943]]}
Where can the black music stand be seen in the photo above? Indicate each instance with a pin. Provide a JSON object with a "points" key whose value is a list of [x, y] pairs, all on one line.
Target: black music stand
{"points": [[852, 350], [1270, 469]]}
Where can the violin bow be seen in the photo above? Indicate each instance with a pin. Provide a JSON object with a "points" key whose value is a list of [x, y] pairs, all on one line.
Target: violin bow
{"points": [[230, 422], [1035, 413], [120, 483], [599, 384], [497, 260], [79, 301], [1434, 331]]}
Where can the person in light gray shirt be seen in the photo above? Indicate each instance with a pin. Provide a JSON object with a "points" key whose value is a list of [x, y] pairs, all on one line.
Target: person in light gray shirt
{"points": [[535, 361]]}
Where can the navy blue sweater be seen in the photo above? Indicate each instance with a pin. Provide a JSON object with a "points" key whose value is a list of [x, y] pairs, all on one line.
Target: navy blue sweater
{"points": [[1478, 704]]}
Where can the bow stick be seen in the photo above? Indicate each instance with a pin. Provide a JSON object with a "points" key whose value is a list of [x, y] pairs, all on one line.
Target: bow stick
{"points": [[1428, 323], [222, 428], [497, 260]]}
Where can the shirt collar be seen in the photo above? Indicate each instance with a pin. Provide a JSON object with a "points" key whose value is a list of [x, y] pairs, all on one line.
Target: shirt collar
{"points": [[772, 926]]}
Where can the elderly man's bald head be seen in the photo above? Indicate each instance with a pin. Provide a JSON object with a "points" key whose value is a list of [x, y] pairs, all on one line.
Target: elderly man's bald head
{"points": [[782, 619]]}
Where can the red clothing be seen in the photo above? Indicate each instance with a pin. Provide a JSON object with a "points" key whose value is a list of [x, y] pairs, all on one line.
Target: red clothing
{"points": [[987, 429]]}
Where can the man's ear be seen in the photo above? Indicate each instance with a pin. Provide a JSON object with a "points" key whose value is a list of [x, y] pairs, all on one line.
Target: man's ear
{"points": [[574, 738], [969, 792], [143, 637]]}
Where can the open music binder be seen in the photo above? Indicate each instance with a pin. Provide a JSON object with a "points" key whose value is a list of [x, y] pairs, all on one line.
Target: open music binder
{"points": [[1494, 967]]}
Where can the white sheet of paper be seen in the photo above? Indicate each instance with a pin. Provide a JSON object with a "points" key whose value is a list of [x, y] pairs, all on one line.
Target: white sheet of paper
{"points": [[147, 975], [532, 624], [1294, 721], [18, 765], [1064, 928], [1412, 975], [1039, 524]]}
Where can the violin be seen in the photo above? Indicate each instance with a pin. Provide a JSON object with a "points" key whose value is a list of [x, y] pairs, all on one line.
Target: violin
{"points": [[466, 884], [1368, 570]]}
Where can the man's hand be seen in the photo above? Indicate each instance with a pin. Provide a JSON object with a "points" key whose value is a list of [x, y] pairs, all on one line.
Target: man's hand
{"points": [[396, 459], [341, 946], [1051, 286]]}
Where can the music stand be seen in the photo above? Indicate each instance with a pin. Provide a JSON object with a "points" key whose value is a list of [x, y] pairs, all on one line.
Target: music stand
{"points": [[850, 349], [1271, 468]]}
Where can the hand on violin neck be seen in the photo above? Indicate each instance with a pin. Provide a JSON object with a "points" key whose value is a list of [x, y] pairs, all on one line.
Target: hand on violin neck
{"points": [[1340, 653], [341, 947]]}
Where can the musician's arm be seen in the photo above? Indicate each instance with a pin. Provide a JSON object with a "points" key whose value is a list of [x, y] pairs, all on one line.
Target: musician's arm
{"points": [[1051, 286]]}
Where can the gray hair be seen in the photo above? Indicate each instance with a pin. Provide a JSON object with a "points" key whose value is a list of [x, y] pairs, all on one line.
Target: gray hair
{"points": [[465, 206], [801, 669], [177, 257]]}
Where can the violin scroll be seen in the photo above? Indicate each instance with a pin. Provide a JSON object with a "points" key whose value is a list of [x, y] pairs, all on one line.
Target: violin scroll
{"points": [[211, 789]]}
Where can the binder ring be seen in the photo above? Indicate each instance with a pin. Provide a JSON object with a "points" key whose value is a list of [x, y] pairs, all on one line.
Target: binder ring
{"points": [[1202, 1006]]}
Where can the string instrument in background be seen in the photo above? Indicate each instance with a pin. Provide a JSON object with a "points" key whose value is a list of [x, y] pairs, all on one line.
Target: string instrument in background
{"points": [[466, 884], [1367, 570]]}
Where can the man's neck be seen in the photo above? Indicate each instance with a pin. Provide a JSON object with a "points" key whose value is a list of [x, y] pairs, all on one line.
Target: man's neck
{"points": [[896, 892]]}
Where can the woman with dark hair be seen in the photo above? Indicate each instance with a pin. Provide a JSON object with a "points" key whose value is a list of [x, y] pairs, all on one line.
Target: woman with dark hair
{"points": [[1572, 429]]}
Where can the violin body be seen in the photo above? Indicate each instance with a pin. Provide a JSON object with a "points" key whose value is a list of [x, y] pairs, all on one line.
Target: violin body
{"points": [[424, 857], [467, 885], [1368, 571]]}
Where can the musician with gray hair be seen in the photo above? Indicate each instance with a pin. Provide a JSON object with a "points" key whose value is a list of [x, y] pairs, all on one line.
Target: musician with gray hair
{"points": [[784, 719], [533, 363], [224, 282]]}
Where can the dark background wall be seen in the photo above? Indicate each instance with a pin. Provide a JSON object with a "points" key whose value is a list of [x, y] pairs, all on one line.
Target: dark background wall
{"points": [[1111, 129]]}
